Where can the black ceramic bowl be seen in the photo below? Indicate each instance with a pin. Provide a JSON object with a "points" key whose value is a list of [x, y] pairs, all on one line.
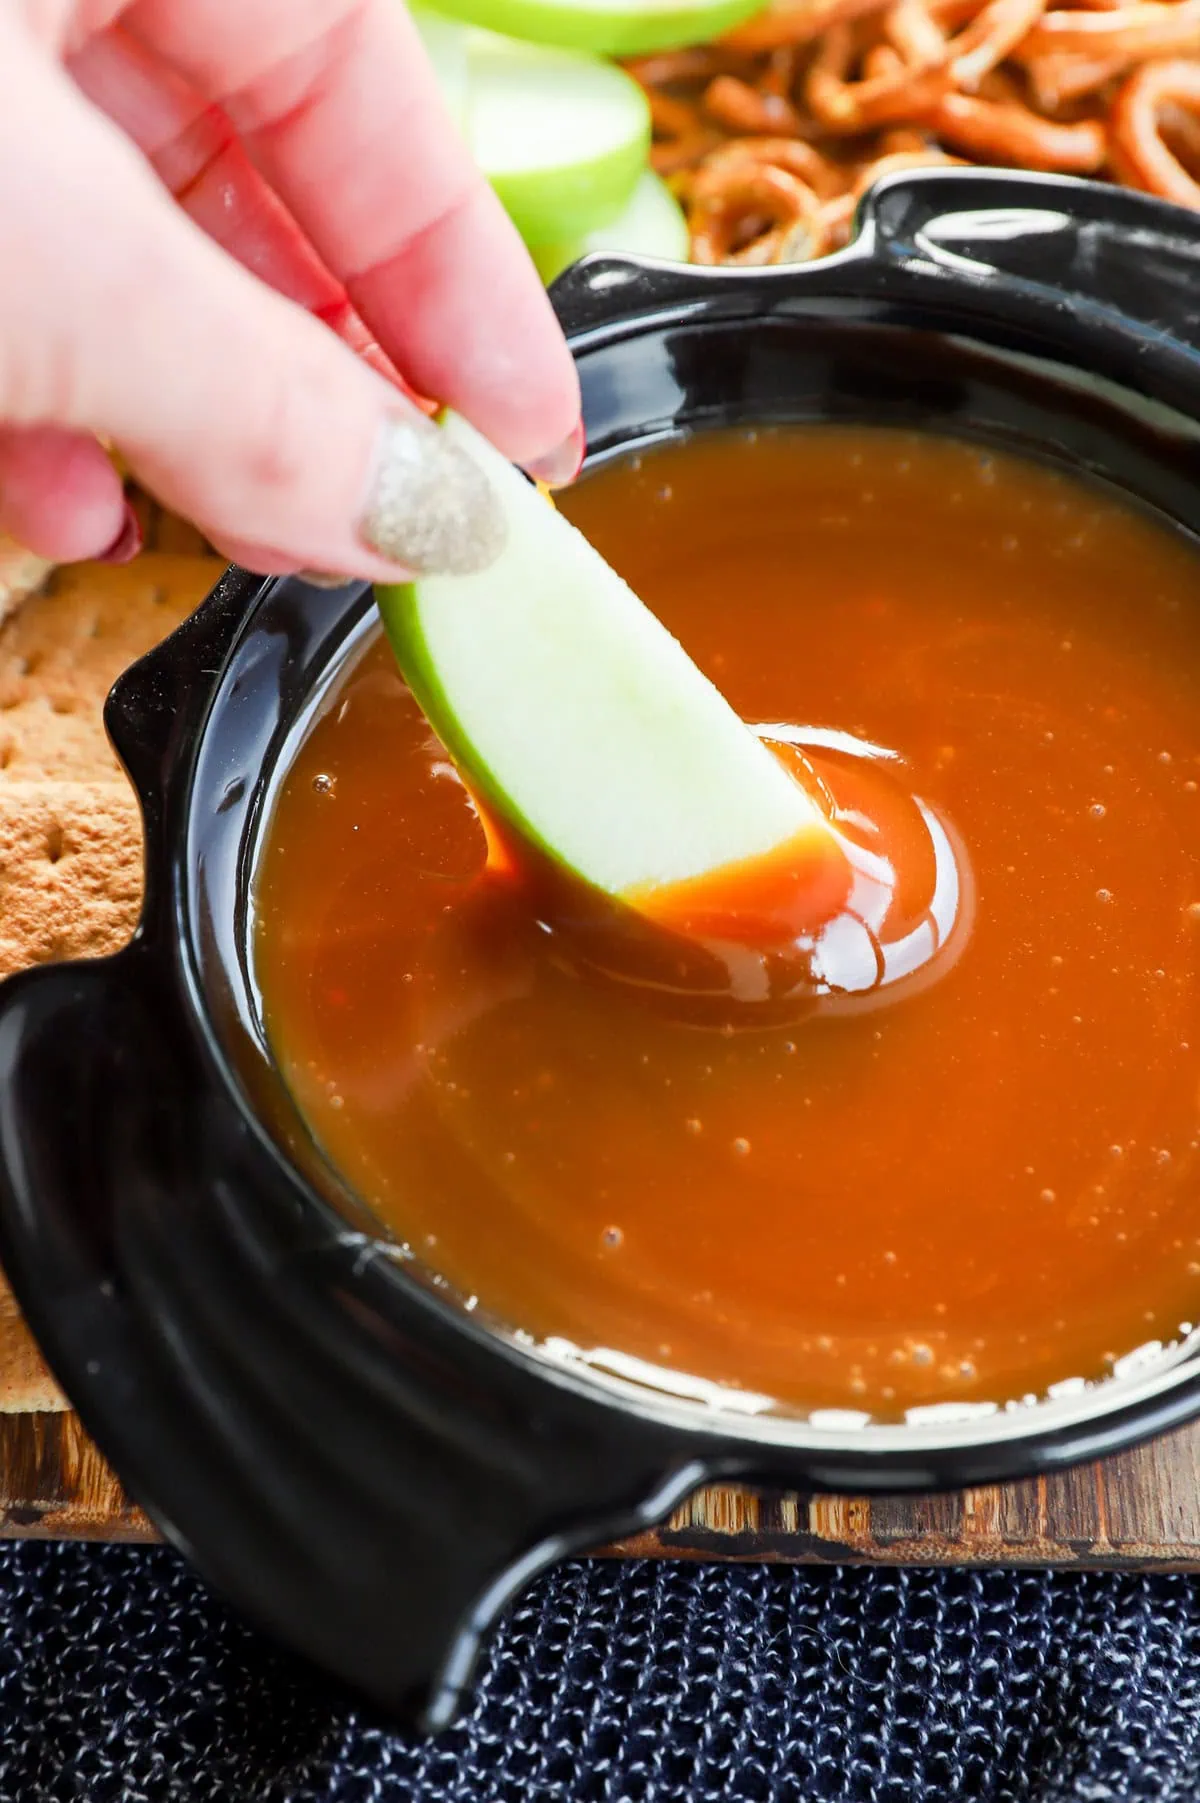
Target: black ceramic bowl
{"points": [[363, 1466]]}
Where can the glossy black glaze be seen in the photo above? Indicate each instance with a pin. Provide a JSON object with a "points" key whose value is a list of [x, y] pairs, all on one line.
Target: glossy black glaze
{"points": [[365, 1468]]}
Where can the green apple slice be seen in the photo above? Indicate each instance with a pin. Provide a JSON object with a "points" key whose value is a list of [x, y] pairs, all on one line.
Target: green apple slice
{"points": [[577, 719], [611, 27], [563, 137], [445, 43], [652, 225]]}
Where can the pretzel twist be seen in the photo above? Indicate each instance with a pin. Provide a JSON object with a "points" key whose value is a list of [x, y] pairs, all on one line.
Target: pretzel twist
{"points": [[1137, 128], [753, 214], [771, 136]]}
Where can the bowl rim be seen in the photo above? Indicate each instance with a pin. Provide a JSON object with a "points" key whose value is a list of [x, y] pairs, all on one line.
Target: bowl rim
{"points": [[650, 293]]}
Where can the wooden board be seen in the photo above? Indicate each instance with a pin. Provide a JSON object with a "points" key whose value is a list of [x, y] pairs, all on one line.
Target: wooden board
{"points": [[1140, 1510]]}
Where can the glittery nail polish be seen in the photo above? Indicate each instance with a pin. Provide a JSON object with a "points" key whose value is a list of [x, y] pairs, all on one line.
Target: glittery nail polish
{"points": [[431, 508]]}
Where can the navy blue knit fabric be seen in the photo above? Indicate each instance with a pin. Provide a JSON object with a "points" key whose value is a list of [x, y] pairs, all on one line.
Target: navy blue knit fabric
{"points": [[123, 1681]]}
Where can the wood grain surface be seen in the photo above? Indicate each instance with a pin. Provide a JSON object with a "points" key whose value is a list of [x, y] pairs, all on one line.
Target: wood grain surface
{"points": [[1140, 1510], [59, 652]]}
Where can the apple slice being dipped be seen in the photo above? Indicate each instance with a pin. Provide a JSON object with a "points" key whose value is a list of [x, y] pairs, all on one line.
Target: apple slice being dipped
{"points": [[588, 735]]}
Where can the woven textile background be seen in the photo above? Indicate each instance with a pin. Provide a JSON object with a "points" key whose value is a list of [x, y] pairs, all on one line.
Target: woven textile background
{"points": [[122, 1679]]}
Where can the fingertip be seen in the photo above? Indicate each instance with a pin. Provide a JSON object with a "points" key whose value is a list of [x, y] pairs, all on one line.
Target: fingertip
{"points": [[60, 495], [559, 467], [505, 367], [128, 542], [361, 565]]}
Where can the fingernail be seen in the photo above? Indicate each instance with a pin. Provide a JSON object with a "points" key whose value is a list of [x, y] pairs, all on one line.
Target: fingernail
{"points": [[323, 579], [128, 541], [431, 507], [561, 466]]}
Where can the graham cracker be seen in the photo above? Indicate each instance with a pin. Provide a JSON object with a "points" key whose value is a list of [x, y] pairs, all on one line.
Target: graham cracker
{"points": [[70, 831], [62, 652], [21, 572]]}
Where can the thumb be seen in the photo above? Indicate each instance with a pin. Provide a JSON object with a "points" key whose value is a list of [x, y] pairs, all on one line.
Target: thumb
{"points": [[238, 409]]}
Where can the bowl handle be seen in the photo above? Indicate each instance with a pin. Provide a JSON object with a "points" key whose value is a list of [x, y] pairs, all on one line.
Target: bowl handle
{"points": [[155, 709], [1071, 243], [320, 1438], [1040, 241]]}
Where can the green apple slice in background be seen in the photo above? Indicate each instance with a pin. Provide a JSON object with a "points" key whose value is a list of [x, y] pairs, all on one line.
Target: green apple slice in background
{"points": [[652, 225], [563, 137], [610, 27], [445, 42], [574, 715]]}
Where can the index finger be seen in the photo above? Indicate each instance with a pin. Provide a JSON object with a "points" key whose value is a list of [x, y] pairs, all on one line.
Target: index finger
{"points": [[196, 154], [338, 106]]}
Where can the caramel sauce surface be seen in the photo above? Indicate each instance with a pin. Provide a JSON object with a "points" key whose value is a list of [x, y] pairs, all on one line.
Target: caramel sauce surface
{"points": [[970, 1193]]}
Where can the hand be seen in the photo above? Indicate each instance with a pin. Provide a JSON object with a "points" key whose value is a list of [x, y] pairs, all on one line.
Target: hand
{"points": [[225, 225]]}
